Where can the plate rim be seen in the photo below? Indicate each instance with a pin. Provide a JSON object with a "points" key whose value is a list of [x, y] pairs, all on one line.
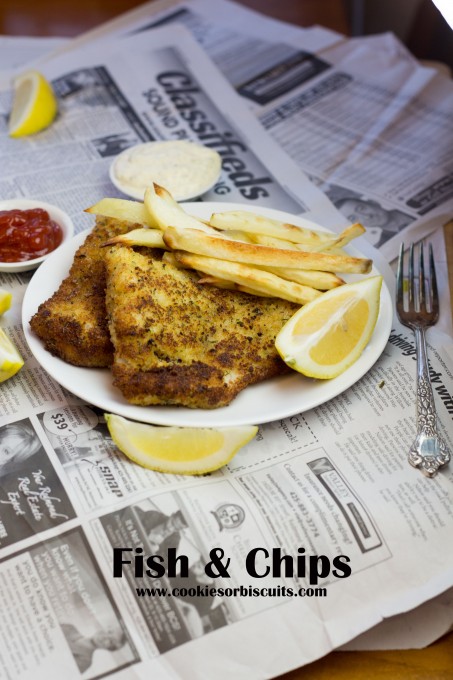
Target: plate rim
{"points": [[181, 416]]}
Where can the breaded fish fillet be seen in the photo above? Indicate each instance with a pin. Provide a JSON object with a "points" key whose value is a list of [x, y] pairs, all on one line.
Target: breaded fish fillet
{"points": [[180, 342], [72, 323]]}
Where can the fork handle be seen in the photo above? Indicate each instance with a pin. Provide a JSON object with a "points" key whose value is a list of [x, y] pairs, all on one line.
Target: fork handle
{"points": [[429, 451]]}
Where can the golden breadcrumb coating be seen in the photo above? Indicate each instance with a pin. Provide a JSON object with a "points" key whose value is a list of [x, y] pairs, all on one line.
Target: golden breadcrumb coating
{"points": [[72, 323], [181, 342]]}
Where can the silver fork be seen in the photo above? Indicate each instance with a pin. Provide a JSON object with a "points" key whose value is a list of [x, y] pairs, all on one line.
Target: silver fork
{"points": [[429, 450]]}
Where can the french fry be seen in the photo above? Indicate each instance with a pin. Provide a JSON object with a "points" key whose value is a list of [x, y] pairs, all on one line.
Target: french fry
{"points": [[338, 251], [338, 242], [169, 258], [235, 235], [164, 211], [257, 224], [308, 277], [265, 230], [195, 241], [256, 279], [229, 285], [217, 282], [334, 244], [140, 237], [273, 242], [313, 279], [347, 235], [254, 291], [122, 209]]}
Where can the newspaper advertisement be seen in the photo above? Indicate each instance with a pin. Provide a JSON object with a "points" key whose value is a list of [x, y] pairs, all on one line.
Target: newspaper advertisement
{"points": [[350, 113], [164, 89], [55, 598]]}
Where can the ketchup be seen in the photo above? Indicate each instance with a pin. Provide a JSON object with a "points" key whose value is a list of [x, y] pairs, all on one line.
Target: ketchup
{"points": [[27, 234]]}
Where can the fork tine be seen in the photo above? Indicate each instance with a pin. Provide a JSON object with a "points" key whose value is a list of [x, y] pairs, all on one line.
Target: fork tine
{"points": [[411, 278], [421, 280], [400, 279], [433, 284]]}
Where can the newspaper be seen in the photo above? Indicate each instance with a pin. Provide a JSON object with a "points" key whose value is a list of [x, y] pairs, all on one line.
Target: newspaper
{"points": [[141, 91], [318, 528], [322, 505], [245, 45], [350, 113], [250, 48]]}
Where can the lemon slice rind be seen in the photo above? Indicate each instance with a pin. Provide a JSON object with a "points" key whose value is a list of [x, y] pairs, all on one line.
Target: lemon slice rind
{"points": [[178, 450], [10, 360], [34, 105], [297, 349], [5, 300]]}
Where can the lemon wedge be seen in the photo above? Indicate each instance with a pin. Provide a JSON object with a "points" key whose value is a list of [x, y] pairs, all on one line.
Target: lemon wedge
{"points": [[178, 450], [10, 359], [34, 104], [5, 300], [328, 335]]}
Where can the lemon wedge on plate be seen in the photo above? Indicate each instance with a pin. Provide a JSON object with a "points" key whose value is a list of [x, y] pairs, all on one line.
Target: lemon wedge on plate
{"points": [[10, 359], [179, 450], [327, 335], [34, 105], [5, 300]]}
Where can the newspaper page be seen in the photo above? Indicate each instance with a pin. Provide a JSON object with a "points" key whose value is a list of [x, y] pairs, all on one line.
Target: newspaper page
{"points": [[315, 532], [358, 136], [351, 113], [141, 91]]}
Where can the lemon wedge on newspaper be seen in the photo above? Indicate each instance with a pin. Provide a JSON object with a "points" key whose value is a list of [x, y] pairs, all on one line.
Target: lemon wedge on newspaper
{"points": [[34, 104], [328, 335], [5, 300], [10, 359], [179, 450]]}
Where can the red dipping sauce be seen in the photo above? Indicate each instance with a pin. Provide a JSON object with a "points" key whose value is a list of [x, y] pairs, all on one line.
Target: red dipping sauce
{"points": [[27, 234]]}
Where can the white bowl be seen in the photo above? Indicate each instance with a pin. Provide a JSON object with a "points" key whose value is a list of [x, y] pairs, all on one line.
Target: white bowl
{"points": [[55, 214], [186, 169]]}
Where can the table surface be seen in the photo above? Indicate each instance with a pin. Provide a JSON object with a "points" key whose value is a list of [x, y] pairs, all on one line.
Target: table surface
{"points": [[28, 17]]}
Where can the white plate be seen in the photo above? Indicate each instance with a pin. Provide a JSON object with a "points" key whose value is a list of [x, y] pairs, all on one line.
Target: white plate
{"points": [[55, 214], [267, 401]]}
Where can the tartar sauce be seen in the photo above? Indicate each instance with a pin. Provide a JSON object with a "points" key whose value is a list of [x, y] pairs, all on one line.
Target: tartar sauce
{"points": [[184, 168]]}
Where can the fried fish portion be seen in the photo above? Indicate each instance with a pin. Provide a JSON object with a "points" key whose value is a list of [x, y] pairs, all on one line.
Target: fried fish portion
{"points": [[178, 342], [73, 322]]}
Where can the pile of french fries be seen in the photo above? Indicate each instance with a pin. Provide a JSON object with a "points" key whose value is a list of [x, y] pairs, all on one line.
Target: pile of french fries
{"points": [[239, 250]]}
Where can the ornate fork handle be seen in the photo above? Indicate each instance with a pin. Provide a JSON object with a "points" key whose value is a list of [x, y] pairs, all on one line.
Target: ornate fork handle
{"points": [[429, 450]]}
